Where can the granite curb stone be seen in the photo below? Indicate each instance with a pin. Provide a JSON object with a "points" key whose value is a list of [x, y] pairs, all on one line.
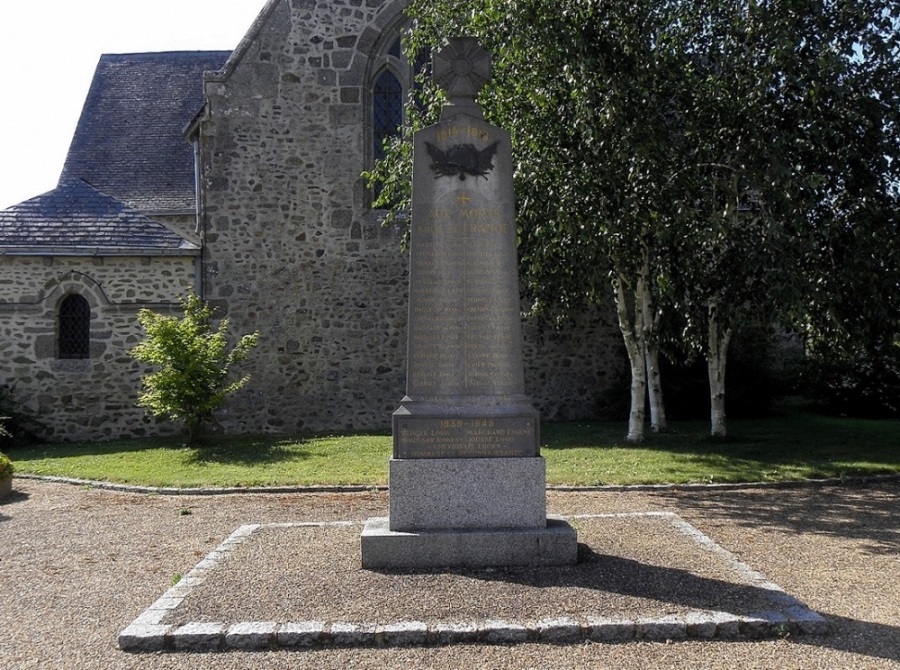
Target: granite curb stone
{"points": [[199, 636], [562, 630], [611, 488], [303, 634], [404, 633], [147, 633], [251, 635], [255, 636]]}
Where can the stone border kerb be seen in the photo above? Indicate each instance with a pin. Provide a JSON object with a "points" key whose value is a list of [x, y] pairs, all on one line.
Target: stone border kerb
{"points": [[147, 633], [861, 480]]}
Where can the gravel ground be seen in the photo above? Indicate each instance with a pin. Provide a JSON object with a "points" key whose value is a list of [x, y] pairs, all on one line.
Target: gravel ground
{"points": [[78, 565], [665, 573]]}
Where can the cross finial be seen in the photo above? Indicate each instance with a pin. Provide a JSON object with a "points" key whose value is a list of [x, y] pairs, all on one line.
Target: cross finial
{"points": [[462, 67]]}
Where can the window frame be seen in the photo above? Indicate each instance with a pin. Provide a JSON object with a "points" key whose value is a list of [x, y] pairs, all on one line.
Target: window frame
{"points": [[73, 327], [385, 58]]}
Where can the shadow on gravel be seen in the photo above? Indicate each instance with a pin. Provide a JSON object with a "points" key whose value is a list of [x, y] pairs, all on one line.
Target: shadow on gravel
{"points": [[14, 497], [650, 584], [866, 514], [631, 578], [858, 637]]}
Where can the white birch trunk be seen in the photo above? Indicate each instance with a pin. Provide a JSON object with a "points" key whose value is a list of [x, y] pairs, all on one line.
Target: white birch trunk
{"points": [[658, 422], [633, 334], [716, 359]]}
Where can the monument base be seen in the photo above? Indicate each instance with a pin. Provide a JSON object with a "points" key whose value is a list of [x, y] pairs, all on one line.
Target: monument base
{"points": [[385, 549], [467, 512], [467, 427], [467, 493]]}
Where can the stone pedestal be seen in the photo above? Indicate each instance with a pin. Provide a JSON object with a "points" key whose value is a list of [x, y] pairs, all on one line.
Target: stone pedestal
{"points": [[467, 512], [385, 549], [467, 493]]}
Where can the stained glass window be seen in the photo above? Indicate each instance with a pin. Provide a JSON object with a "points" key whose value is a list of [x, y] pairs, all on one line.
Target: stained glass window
{"points": [[387, 105], [74, 327]]}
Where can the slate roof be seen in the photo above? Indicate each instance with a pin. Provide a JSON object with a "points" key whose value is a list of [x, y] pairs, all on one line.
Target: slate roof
{"points": [[77, 218], [128, 142]]}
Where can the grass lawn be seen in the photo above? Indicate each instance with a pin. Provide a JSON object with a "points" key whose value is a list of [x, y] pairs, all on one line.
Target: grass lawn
{"points": [[793, 446]]}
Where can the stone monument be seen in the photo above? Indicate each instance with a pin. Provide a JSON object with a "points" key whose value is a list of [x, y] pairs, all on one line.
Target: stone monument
{"points": [[467, 482]]}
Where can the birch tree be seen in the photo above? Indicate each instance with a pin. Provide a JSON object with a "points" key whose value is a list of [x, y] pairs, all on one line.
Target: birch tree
{"points": [[790, 119]]}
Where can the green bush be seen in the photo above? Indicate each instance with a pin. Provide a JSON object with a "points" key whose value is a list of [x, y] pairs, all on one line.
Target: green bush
{"points": [[6, 466], [193, 364]]}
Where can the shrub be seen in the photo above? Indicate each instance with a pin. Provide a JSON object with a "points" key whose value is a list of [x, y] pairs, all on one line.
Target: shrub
{"points": [[193, 364], [6, 466]]}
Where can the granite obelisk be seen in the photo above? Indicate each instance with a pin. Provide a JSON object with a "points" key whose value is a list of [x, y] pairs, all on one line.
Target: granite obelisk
{"points": [[467, 482]]}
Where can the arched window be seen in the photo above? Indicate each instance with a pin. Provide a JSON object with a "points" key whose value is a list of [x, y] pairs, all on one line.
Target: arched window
{"points": [[392, 77], [74, 327], [387, 108]]}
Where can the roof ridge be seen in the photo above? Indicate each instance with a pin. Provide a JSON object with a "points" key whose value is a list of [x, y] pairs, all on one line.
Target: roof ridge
{"points": [[77, 215]]}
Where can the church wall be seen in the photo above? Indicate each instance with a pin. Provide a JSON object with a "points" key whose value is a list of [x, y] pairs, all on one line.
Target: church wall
{"points": [[293, 250], [92, 398]]}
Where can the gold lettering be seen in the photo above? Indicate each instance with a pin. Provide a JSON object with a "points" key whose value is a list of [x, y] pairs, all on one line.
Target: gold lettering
{"points": [[454, 132]]}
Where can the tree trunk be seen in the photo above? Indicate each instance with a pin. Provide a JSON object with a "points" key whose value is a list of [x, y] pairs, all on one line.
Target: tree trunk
{"points": [[658, 422], [716, 359], [633, 334]]}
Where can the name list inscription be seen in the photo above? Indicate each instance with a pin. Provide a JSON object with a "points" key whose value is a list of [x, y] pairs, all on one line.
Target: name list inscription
{"points": [[464, 311], [505, 437]]}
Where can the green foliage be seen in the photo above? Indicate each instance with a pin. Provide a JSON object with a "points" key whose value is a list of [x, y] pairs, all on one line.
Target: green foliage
{"points": [[15, 427], [859, 385], [391, 178], [741, 158], [193, 362], [6, 466]]}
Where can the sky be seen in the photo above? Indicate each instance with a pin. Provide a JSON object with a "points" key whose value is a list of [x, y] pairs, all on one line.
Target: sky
{"points": [[48, 53]]}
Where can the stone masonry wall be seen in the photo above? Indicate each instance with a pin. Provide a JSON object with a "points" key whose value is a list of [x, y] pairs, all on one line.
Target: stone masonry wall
{"points": [[293, 250], [94, 398]]}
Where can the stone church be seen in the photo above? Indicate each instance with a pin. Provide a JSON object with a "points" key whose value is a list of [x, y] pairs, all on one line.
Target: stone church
{"points": [[237, 175]]}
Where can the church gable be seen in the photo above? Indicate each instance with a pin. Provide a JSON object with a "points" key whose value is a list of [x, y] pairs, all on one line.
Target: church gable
{"points": [[289, 244], [128, 142]]}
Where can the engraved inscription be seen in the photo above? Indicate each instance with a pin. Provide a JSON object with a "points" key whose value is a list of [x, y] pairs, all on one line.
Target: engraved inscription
{"points": [[465, 437], [465, 384], [456, 132], [463, 321]]}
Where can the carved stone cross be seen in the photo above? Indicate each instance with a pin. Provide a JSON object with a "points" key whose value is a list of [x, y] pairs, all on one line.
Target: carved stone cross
{"points": [[461, 68]]}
